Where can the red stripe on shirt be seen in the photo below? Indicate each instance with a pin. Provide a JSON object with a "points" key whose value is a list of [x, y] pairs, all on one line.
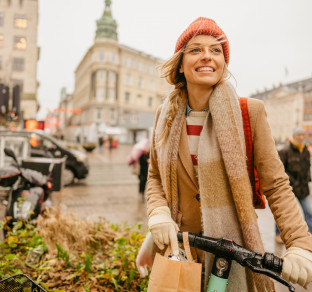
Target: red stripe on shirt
{"points": [[194, 130], [194, 159]]}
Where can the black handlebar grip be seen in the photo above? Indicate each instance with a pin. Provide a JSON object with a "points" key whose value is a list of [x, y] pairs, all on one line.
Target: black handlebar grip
{"points": [[272, 262]]}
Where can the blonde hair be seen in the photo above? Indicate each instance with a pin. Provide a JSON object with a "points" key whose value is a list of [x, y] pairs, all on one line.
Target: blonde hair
{"points": [[170, 71]]}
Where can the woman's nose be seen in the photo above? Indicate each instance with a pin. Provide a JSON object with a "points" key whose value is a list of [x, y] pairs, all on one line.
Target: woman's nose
{"points": [[206, 54]]}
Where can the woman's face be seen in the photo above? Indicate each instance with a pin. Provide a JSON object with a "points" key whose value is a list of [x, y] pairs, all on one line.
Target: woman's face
{"points": [[203, 61]]}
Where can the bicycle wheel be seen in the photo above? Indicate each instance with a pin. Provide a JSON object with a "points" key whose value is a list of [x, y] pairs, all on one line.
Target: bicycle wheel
{"points": [[20, 283]]}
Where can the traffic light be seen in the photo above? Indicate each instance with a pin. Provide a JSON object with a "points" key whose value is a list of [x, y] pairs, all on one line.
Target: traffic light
{"points": [[4, 99], [16, 100]]}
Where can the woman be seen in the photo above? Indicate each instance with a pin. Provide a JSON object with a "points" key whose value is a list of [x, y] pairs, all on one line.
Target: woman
{"points": [[198, 180]]}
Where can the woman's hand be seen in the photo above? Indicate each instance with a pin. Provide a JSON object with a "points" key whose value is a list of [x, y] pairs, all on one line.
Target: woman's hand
{"points": [[164, 229], [297, 266], [145, 256]]}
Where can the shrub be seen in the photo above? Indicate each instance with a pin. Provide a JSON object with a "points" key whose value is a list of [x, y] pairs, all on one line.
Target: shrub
{"points": [[104, 259]]}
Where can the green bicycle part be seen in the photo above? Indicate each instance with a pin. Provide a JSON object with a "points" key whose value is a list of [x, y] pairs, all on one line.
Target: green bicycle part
{"points": [[216, 284]]}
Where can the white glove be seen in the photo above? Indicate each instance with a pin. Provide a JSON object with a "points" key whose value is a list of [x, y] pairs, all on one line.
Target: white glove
{"points": [[164, 229], [146, 255], [297, 266]]}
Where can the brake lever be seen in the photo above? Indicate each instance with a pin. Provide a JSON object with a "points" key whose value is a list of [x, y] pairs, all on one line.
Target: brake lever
{"points": [[268, 273]]}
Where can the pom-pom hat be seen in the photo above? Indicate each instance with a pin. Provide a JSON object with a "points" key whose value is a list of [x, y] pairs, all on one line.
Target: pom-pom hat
{"points": [[205, 26]]}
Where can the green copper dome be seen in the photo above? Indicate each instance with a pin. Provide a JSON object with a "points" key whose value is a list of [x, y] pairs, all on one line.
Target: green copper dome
{"points": [[106, 25]]}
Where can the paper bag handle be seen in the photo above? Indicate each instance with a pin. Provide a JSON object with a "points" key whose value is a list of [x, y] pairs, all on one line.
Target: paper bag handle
{"points": [[187, 249]]}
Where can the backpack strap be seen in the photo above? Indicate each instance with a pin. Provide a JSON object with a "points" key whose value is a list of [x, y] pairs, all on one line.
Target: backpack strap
{"points": [[258, 197], [248, 139]]}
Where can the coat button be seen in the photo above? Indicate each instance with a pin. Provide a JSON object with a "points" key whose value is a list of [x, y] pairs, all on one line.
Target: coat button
{"points": [[198, 197]]}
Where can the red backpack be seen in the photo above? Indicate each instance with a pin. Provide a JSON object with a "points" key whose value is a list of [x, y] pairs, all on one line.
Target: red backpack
{"points": [[258, 197]]}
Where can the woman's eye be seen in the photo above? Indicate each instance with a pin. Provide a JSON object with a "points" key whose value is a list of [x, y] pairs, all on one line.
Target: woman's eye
{"points": [[194, 50], [216, 50]]}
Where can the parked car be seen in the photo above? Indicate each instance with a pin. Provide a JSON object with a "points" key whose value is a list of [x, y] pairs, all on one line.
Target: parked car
{"points": [[43, 145]]}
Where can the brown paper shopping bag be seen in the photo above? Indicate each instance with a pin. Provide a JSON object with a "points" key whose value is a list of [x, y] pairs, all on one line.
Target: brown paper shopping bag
{"points": [[175, 276]]}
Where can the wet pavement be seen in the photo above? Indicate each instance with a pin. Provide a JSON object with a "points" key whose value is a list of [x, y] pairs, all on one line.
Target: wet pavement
{"points": [[110, 190]]}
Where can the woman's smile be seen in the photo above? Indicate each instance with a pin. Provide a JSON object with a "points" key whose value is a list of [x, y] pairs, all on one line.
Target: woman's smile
{"points": [[205, 69]]}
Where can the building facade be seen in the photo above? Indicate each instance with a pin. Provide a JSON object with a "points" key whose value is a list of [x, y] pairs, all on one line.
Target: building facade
{"points": [[288, 106], [117, 88], [19, 52]]}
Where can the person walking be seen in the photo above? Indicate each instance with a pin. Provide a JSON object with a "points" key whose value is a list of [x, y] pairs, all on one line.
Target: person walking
{"points": [[295, 157], [198, 179], [144, 161]]}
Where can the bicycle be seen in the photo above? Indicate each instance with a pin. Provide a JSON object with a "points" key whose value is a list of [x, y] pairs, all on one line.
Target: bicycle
{"points": [[227, 250], [20, 283]]}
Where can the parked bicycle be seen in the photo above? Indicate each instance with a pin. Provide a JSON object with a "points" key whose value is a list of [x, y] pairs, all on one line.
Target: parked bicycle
{"points": [[226, 251], [20, 282]]}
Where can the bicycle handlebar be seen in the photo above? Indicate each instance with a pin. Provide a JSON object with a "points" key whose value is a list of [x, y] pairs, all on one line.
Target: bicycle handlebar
{"points": [[267, 264]]}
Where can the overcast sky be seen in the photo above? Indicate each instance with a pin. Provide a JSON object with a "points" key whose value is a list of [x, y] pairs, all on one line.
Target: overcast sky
{"points": [[270, 41]]}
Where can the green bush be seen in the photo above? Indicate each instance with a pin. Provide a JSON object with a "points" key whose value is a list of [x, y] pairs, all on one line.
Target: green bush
{"points": [[109, 267]]}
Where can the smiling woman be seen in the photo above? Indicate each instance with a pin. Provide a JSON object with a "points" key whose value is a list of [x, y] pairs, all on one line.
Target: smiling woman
{"points": [[203, 66], [198, 179]]}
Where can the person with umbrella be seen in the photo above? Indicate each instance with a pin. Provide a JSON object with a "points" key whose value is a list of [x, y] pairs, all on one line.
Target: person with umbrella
{"points": [[139, 159]]}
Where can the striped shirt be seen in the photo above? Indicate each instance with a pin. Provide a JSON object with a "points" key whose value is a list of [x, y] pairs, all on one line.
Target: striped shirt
{"points": [[194, 123]]}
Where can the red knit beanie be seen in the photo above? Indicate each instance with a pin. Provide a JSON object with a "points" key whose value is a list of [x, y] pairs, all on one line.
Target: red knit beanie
{"points": [[206, 26]]}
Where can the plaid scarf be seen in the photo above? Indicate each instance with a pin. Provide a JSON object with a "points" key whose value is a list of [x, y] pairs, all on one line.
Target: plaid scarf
{"points": [[224, 186]]}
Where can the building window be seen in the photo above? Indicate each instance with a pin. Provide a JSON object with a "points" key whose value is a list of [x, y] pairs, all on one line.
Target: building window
{"points": [[139, 99], [1, 40], [114, 59], [93, 85], [140, 66], [100, 94], [128, 62], [140, 82], [102, 56], [127, 97], [18, 64], [20, 21], [99, 113], [1, 18], [111, 95], [20, 43], [128, 79], [112, 116], [151, 70], [150, 101], [151, 85], [111, 76], [101, 75]]}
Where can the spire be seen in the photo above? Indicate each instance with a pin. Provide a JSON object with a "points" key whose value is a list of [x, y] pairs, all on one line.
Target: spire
{"points": [[107, 25]]}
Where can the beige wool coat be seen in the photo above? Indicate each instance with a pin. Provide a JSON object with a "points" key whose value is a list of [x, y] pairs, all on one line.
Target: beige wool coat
{"points": [[273, 179]]}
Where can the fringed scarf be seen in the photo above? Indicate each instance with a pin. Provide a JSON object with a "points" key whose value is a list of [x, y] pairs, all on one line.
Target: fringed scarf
{"points": [[225, 190]]}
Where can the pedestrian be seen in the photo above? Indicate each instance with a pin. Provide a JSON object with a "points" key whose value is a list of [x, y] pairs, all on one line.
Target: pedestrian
{"points": [[144, 161], [296, 159], [198, 179], [110, 141], [77, 134], [101, 141]]}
